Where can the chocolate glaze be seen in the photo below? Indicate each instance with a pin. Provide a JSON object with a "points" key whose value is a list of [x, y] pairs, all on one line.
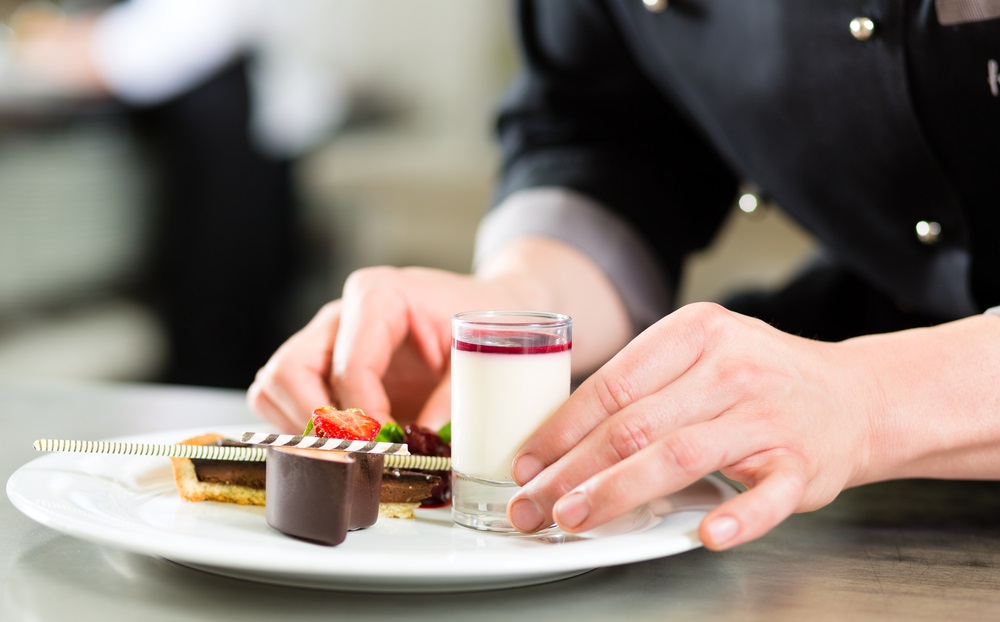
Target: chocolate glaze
{"points": [[321, 495], [250, 474], [230, 472]]}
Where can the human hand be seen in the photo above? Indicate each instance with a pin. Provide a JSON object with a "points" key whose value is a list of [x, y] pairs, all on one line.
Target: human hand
{"points": [[384, 347], [703, 390]]}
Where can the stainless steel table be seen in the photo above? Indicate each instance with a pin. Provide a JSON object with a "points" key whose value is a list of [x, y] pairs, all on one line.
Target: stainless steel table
{"points": [[913, 550]]}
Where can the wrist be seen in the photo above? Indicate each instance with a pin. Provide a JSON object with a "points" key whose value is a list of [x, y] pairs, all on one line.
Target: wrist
{"points": [[932, 408], [548, 275], [516, 271]]}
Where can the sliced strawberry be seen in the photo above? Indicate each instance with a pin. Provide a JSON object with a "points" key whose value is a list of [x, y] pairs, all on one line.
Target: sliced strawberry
{"points": [[351, 424]]}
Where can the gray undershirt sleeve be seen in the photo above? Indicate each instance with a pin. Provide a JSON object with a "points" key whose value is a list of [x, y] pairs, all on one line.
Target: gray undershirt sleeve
{"points": [[577, 220]]}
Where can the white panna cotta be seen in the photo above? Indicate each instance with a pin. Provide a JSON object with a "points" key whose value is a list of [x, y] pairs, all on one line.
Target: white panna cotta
{"points": [[500, 395]]}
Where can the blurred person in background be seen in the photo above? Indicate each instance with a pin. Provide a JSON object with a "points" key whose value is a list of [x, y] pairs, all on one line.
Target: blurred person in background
{"points": [[226, 95]]}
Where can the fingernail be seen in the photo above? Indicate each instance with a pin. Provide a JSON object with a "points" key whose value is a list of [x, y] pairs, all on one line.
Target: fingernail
{"points": [[721, 530], [525, 515], [525, 468], [572, 509]]}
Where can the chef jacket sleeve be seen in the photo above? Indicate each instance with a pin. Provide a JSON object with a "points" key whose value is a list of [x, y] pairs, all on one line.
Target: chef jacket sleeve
{"points": [[582, 117]]}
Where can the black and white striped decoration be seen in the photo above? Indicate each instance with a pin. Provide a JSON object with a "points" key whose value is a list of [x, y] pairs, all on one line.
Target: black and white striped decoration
{"points": [[395, 453], [316, 442], [198, 452]]}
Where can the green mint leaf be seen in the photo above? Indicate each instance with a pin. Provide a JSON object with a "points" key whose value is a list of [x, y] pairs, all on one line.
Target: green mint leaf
{"points": [[309, 428], [445, 433], [390, 433]]}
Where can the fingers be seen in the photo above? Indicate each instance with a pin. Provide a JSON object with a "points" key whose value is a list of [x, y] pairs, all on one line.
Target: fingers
{"points": [[642, 368], [752, 514], [260, 403], [294, 381], [628, 432], [437, 409], [664, 466], [779, 492], [382, 348], [286, 396], [373, 326]]}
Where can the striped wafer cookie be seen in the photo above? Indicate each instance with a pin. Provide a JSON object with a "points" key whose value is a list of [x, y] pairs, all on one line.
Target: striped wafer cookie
{"points": [[255, 453], [198, 452]]}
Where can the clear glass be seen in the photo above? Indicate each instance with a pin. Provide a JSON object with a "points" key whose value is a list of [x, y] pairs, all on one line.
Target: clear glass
{"points": [[509, 371]]}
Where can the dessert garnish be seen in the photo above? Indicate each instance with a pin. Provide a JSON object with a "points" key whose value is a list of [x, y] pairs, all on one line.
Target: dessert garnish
{"points": [[329, 444], [352, 423], [391, 433], [426, 442], [255, 450], [241, 453]]}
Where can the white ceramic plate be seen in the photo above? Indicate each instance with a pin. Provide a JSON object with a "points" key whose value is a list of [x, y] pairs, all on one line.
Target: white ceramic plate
{"points": [[130, 502]]}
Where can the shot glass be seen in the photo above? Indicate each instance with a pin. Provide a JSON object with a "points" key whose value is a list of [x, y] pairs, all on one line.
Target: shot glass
{"points": [[509, 371]]}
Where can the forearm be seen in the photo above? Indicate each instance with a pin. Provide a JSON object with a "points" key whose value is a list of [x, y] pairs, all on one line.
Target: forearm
{"points": [[147, 51], [935, 405]]}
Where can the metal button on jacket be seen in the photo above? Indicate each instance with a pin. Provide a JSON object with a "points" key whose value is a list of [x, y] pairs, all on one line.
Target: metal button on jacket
{"points": [[928, 232], [751, 203], [655, 6], [862, 28]]}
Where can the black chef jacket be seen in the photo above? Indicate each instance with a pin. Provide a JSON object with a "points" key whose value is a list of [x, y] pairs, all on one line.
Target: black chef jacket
{"points": [[858, 133]]}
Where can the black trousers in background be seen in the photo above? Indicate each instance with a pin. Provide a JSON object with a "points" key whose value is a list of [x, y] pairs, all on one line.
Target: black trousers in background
{"points": [[224, 255]]}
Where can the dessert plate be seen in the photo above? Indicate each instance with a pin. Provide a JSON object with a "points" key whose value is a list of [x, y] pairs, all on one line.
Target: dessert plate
{"points": [[129, 502]]}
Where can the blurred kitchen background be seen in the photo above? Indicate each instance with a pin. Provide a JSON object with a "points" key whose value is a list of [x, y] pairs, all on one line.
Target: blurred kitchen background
{"points": [[375, 113]]}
